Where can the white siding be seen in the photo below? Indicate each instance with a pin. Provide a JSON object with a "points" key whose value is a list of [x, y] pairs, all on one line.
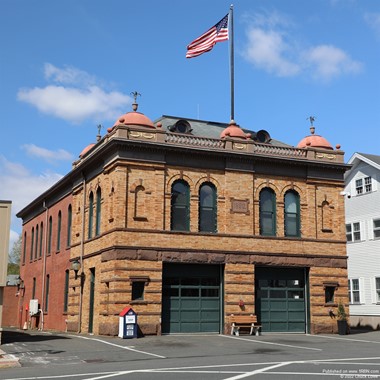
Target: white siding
{"points": [[364, 256]]}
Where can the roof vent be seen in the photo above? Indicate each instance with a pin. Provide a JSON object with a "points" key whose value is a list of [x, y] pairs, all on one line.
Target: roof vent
{"points": [[262, 136], [181, 126]]}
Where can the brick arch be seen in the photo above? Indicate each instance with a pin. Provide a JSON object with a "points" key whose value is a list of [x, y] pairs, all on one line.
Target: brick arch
{"points": [[137, 185], [294, 188], [98, 186], [206, 179], [265, 184], [179, 176], [89, 189]]}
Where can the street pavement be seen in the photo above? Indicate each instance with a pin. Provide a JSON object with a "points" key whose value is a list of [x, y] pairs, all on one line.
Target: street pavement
{"points": [[47, 355]]}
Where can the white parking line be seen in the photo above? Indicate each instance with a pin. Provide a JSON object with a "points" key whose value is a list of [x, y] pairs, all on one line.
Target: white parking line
{"points": [[119, 346], [271, 343], [348, 339], [202, 369], [255, 372]]}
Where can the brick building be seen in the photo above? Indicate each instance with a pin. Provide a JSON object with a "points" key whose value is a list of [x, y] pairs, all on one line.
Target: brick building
{"points": [[188, 222], [5, 222]]}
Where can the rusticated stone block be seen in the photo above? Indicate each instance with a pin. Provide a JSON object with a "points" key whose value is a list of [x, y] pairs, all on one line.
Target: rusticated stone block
{"points": [[111, 329], [72, 326], [149, 255], [148, 329], [119, 254], [235, 259], [217, 259], [194, 257], [319, 328]]}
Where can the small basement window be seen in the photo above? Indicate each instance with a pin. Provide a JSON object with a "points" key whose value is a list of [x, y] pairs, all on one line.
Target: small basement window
{"points": [[330, 288], [138, 290], [138, 287]]}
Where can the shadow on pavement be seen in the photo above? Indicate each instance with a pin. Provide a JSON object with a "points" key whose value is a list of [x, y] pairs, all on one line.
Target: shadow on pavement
{"points": [[13, 336]]}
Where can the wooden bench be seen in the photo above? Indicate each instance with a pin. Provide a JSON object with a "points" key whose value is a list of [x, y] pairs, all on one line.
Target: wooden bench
{"points": [[244, 321]]}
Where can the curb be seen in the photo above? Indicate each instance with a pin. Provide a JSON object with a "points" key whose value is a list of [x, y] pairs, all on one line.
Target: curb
{"points": [[8, 361]]}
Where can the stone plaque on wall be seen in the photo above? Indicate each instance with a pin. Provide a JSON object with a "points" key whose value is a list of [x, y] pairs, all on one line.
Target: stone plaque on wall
{"points": [[240, 206]]}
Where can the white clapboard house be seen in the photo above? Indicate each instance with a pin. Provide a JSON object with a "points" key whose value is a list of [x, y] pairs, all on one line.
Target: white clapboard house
{"points": [[362, 202]]}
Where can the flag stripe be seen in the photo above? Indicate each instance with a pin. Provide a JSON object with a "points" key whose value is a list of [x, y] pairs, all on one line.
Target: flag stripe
{"points": [[205, 42]]}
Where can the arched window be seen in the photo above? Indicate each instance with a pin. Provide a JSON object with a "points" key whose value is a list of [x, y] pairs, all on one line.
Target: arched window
{"points": [[69, 223], [36, 245], [66, 291], [59, 227], [326, 217], [47, 291], [34, 288], [41, 238], [267, 212], [90, 214], [98, 211], [292, 214], [32, 245], [24, 252], [140, 203], [50, 235], [207, 208], [180, 206]]}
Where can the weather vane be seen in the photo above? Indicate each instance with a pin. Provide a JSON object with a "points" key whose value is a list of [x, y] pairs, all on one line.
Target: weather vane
{"points": [[311, 118], [98, 137], [135, 94]]}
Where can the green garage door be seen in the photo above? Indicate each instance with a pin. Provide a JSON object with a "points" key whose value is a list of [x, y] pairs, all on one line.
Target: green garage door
{"points": [[280, 299], [191, 298]]}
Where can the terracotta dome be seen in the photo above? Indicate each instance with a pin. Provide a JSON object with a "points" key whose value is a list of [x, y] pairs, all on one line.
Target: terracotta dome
{"points": [[314, 141], [233, 130], [134, 118], [86, 149]]}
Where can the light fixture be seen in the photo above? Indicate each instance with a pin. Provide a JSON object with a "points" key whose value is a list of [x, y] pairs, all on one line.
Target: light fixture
{"points": [[75, 266], [20, 283]]}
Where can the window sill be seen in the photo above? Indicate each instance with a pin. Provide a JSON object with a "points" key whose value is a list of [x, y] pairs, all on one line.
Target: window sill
{"points": [[140, 219], [139, 302]]}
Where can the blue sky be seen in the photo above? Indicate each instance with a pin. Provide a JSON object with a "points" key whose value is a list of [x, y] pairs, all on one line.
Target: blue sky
{"points": [[67, 66]]}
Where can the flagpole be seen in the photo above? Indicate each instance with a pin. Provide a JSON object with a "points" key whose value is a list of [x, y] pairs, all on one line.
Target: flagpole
{"points": [[232, 84]]}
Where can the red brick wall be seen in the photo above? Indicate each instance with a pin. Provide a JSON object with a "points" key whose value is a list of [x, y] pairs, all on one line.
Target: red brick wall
{"points": [[11, 307], [57, 262]]}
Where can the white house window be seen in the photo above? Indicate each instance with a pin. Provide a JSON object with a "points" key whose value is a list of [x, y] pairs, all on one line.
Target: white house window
{"points": [[365, 187], [353, 232], [368, 184], [348, 232], [354, 290], [376, 228], [359, 186], [377, 289]]}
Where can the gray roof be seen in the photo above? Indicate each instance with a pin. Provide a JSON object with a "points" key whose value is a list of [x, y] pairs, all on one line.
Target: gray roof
{"points": [[209, 129], [372, 157]]}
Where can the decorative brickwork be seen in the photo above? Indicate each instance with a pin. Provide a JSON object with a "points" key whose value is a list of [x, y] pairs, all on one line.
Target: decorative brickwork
{"points": [[134, 171]]}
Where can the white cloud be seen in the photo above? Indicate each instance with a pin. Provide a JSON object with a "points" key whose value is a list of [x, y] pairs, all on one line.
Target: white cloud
{"points": [[21, 186], [68, 75], [267, 50], [46, 154], [273, 48], [82, 100], [329, 62]]}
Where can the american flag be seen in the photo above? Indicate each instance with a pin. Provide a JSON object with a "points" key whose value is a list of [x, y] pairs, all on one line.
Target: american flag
{"points": [[204, 43]]}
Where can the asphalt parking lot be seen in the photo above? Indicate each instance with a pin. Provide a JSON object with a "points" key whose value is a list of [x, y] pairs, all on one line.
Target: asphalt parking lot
{"points": [[45, 355]]}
